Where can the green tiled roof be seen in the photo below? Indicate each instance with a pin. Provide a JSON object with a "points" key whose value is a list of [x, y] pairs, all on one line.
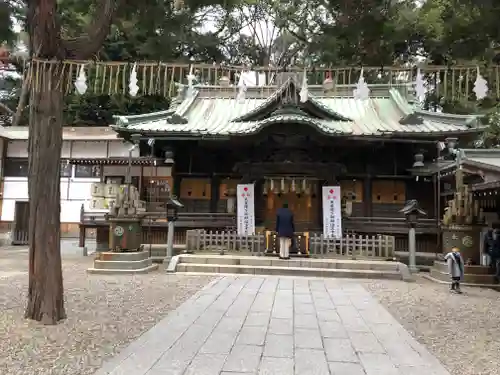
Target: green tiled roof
{"points": [[216, 111]]}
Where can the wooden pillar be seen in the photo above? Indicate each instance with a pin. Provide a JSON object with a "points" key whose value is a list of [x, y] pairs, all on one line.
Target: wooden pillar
{"points": [[319, 195], [367, 197], [214, 193]]}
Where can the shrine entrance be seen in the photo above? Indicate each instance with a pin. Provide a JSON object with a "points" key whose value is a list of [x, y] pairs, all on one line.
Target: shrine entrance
{"points": [[302, 198]]}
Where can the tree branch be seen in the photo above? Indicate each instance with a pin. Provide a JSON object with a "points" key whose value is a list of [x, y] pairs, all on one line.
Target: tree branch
{"points": [[6, 109], [85, 46]]}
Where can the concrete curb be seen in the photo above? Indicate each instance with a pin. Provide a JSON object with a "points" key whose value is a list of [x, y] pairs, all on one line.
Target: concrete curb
{"points": [[405, 273], [172, 265], [437, 281]]}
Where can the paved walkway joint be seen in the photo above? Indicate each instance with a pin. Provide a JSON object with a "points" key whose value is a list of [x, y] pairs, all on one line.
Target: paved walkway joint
{"points": [[277, 326]]}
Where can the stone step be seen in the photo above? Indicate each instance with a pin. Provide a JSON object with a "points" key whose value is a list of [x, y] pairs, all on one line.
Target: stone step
{"points": [[122, 265], [123, 271], [374, 265], [122, 257], [473, 270], [468, 278], [288, 271]]}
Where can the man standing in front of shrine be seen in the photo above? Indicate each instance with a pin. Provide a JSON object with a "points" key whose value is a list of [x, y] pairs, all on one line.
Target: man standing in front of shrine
{"points": [[285, 229]]}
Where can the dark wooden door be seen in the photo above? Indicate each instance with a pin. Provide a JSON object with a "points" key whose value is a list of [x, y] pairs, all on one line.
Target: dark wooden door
{"points": [[20, 227]]}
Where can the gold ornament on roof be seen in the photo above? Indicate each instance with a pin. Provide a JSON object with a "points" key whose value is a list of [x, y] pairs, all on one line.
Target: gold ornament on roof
{"points": [[178, 4]]}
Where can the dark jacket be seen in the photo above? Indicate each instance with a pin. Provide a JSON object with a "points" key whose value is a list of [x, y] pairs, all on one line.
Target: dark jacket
{"points": [[284, 223], [491, 245]]}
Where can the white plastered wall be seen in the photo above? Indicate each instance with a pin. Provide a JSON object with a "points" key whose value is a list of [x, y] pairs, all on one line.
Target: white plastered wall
{"points": [[75, 191]]}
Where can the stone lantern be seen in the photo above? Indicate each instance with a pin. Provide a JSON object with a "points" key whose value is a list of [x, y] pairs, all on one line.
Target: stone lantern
{"points": [[412, 212]]}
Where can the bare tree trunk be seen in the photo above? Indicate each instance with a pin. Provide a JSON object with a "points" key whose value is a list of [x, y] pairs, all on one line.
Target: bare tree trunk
{"points": [[45, 293]]}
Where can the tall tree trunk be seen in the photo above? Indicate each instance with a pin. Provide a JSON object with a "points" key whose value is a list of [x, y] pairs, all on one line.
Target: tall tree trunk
{"points": [[45, 293]]}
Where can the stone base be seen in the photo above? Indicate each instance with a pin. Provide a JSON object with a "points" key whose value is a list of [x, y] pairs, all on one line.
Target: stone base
{"points": [[101, 271], [229, 264], [123, 263]]}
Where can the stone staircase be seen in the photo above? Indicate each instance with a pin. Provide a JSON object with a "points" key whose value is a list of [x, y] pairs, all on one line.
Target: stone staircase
{"points": [[252, 265], [480, 276], [122, 263]]}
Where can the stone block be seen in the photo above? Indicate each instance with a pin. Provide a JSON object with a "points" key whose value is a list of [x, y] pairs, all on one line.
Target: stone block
{"points": [[305, 298], [257, 262], [308, 339], [229, 324], [281, 326], [258, 319], [276, 366], [304, 308], [243, 358], [305, 321], [311, 362], [345, 368], [375, 363], [252, 336], [328, 315], [206, 364], [282, 313], [219, 343], [333, 329], [365, 342], [340, 350], [323, 304], [278, 346]]}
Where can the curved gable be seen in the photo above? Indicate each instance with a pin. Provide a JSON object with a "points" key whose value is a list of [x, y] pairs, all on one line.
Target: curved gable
{"points": [[286, 100]]}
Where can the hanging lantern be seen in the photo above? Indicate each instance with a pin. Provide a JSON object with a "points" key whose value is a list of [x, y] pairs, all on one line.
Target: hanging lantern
{"points": [[81, 81], [264, 189], [282, 186], [293, 188], [304, 185], [328, 84], [272, 187], [307, 190], [178, 4], [133, 88]]}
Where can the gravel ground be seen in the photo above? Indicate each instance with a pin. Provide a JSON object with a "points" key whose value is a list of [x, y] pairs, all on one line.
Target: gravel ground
{"points": [[463, 331], [105, 313]]}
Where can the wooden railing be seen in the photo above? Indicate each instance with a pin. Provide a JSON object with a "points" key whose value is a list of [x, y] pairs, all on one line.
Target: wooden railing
{"points": [[314, 244], [223, 241], [380, 246]]}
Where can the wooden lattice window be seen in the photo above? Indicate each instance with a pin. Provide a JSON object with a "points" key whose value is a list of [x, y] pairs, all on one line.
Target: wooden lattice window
{"points": [[352, 189], [196, 188], [225, 185], [388, 191]]}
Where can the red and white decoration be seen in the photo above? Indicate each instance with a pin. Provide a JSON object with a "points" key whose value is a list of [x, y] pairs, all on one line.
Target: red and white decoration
{"points": [[332, 212], [246, 209]]}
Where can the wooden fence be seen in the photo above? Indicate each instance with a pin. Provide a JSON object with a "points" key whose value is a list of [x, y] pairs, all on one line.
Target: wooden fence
{"points": [[380, 246], [352, 245], [222, 241]]}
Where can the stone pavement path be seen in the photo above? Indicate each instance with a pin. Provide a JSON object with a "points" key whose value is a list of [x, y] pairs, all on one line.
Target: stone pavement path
{"points": [[277, 326]]}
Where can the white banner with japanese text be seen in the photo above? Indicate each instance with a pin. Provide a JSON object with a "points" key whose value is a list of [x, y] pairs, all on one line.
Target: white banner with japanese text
{"points": [[332, 212], [245, 209]]}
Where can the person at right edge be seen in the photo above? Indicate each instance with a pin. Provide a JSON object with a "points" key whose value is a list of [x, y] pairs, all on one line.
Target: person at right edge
{"points": [[492, 250], [456, 268], [285, 229]]}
